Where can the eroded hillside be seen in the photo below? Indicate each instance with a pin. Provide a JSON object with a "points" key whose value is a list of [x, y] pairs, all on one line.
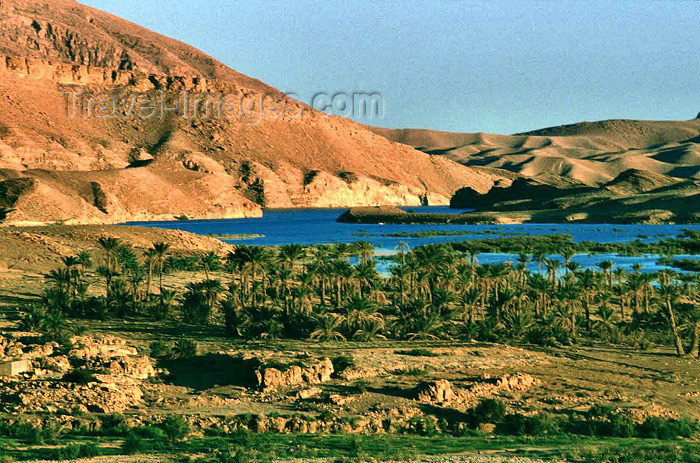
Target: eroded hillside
{"points": [[54, 167]]}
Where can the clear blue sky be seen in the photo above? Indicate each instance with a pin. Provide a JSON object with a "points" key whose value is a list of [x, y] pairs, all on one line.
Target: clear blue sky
{"points": [[491, 66]]}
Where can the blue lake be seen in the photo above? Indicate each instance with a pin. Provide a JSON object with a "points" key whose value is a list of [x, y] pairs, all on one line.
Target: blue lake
{"points": [[319, 226]]}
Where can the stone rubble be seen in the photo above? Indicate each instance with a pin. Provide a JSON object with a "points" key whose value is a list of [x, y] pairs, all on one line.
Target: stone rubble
{"points": [[107, 376]]}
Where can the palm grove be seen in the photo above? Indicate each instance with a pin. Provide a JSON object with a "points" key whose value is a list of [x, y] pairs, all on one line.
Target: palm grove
{"points": [[334, 292]]}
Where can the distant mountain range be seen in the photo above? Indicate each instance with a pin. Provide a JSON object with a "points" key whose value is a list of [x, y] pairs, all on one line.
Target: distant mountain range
{"points": [[614, 170]]}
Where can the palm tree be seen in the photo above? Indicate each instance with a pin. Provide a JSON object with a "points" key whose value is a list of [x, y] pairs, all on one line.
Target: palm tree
{"points": [[365, 250], [150, 264], [210, 262], [606, 266], [166, 302], [635, 283], [523, 260], [61, 280], [469, 300], [589, 284], [366, 275], [257, 257], [291, 254], [403, 248], [328, 328], [540, 257], [158, 252], [540, 288], [360, 314], [668, 290], [418, 320], [71, 263], [572, 269], [552, 270], [110, 246], [567, 254]]}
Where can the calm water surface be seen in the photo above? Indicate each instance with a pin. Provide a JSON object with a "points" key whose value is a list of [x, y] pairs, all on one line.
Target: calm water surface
{"points": [[319, 226]]}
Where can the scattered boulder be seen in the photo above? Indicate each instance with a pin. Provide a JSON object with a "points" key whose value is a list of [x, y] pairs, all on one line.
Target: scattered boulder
{"points": [[10, 348], [274, 378], [86, 347], [436, 392], [355, 373], [309, 393], [101, 375], [517, 382]]}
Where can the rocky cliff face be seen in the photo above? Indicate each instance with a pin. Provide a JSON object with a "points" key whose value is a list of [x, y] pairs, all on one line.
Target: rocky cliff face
{"points": [[54, 167]]}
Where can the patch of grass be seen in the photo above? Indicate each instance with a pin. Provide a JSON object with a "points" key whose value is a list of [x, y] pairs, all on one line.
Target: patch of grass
{"points": [[420, 352], [633, 452], [422, 370], [176, 428], [73, 452]]}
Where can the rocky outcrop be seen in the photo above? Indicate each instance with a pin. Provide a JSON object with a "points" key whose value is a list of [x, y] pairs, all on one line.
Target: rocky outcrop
{"points": [[442, 391], [372, 214], [101, 375], [271, 379], [435, 392]]}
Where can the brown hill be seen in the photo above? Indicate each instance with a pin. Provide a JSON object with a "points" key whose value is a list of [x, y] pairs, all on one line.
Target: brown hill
{"points": [[98, 170], [592, 153], [635, 181]]}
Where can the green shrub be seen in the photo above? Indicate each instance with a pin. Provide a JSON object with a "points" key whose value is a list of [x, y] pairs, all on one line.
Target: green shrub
{"points": [[660, 428], [161, 349], [489, 411], [664, 453], [114, 424], [176, 427], [185, 349], [622, 425], [149, 432], [133, 444], [237, 454], [242, 437], [73, 452], [536, 425]]}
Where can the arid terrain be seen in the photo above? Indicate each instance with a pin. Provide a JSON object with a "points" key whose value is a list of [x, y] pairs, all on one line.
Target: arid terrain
{"points": [[121, 343], [140, 378], [620, 171], [55, 168]]}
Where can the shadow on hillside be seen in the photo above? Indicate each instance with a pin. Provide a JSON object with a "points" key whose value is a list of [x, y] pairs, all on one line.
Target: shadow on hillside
{"points": [[139, 328], [18, 299], [393, 391], [448, 414], [210, 370]]}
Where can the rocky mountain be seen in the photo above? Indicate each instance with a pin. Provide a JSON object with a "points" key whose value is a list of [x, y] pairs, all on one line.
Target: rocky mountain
{"points": [[57, 168]]}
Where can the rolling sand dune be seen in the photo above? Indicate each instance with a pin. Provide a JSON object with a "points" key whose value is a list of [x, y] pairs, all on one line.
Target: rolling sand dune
{"points": [[591, 153], [607, 171]]}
